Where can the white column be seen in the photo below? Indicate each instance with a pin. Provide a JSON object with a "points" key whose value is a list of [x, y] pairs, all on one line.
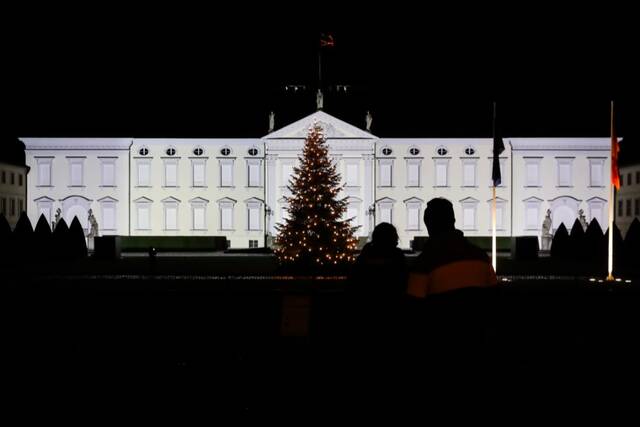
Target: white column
{"points": [[271, 189], [369, 185]]}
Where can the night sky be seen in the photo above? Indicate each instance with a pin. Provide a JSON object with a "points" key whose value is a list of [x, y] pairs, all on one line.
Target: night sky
{"points": [[427, 73]]}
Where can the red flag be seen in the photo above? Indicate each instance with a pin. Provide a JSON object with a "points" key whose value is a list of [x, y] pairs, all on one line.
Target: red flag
{"points": [[615, 149], [326, 40]]}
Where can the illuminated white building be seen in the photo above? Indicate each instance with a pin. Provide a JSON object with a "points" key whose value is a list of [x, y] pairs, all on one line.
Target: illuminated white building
{"points": [[235, 187]]}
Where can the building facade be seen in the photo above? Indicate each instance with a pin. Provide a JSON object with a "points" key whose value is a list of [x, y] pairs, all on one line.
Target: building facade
{"points": [[628, 197], [13, 191], [236, 187]]}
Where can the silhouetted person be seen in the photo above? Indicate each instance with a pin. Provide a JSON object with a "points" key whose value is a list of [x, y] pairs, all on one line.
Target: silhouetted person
{"points": [[449, 261], [380, 269], [449, 326], [377, 287]]}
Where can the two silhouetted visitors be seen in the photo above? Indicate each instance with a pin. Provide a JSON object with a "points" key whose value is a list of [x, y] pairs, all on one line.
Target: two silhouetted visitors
{"points": [[449, 261]]}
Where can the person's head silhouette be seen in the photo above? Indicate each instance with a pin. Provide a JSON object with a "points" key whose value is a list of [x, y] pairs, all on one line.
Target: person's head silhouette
{"points": [[384, 236], [439, 217]]}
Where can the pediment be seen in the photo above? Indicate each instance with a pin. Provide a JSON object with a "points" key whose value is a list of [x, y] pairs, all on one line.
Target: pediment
{"points": [[333, 127]]}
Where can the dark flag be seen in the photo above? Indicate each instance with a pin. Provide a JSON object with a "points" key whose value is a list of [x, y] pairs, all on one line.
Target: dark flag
{"points": [[498, 148]]}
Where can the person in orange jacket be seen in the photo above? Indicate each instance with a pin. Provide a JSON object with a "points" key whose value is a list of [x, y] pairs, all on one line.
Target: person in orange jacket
{"points": [[449, 261]]}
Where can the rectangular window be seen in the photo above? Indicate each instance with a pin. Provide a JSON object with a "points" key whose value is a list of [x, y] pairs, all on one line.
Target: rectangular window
{"points": [[442, 173], [596, 172], [44, 172], [4, 177], [532, 170], [170, 173], [469, 216], [199, 217], [20, 206], [12, 206], [413, 216], [144, 216], [226, 173], [386, 213], [109, 216], [637, 177], [637, 207], [76, 172], [628, 207], [532, 215], [413, 173], [198, 172], [564, 172], [352, 173], [226, 217], [3, 206], [628, 179], [108, 167], [144, 173], [20, 180], [171, 216], [620, 207], [499, 216], [253, 214], [386, 173], [253, 243], [13, 178], [468, 173], [253, 172]]}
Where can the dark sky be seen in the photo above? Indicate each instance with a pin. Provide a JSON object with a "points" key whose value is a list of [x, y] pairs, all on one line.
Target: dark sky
{"points": [[422, 73]]}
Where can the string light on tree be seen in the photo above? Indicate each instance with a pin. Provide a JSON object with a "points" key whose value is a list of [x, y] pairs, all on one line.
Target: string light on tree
{"points": [[315, 212]]}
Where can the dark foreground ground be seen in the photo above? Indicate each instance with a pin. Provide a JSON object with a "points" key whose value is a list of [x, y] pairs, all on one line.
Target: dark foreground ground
{"points": [[165, 341]]}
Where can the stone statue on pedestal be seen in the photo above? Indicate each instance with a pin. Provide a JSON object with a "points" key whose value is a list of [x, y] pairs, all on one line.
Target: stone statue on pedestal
{"points": [[319, 100], [547, 235], [272, 121], [583, 220], [93, 224], [368, 120], [56, 219]]}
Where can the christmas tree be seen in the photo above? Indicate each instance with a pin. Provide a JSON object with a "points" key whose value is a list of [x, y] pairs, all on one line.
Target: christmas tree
{"points": [[315, 233]]}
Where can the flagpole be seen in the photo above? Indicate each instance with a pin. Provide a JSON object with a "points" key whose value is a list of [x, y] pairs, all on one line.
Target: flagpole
{"points": [[493, 204], [611, 205], [493, 228]]}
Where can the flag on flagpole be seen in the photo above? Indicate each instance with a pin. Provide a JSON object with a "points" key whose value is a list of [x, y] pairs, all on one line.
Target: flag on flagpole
{"points": [[615, 149], [498, 148], [326, 40]]}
